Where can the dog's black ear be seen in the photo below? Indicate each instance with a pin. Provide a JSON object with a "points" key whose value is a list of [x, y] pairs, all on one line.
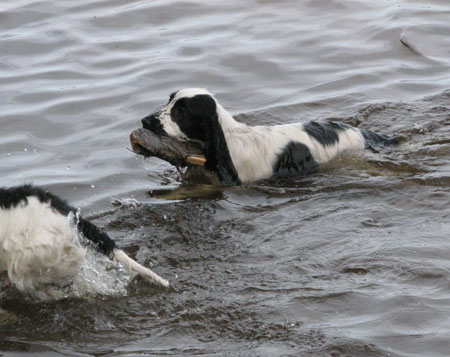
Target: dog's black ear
{"points": [[202, 109], [217, 155]]}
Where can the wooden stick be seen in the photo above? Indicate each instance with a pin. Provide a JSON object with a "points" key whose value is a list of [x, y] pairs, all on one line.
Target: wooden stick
{"points": [[174, 151]]}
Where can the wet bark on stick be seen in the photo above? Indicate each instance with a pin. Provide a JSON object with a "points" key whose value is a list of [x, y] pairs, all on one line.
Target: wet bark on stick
{"points": [[176, 152]]}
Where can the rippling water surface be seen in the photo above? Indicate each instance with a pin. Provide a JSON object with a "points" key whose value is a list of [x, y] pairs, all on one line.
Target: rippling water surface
{"points": [[353, 261]]}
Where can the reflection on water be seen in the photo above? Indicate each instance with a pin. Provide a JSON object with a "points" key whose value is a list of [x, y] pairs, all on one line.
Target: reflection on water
{"points": [[351, 261]]}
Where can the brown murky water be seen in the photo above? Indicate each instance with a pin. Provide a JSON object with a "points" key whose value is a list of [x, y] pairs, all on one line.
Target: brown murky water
{"points": [[353, 261]]}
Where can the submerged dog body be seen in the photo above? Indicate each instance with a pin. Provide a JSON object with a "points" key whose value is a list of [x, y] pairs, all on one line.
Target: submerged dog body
{"points": [[39, 241], [240, 153]]}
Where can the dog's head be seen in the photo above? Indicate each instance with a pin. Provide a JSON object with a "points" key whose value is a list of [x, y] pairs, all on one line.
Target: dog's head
{"points": [[186, 115], [192, 114]]}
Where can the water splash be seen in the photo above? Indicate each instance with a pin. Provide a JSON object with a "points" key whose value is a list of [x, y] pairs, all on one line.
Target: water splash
{"points": [[98, 275]]}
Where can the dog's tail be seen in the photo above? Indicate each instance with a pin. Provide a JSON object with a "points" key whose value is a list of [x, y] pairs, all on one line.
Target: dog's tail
{"points": [[108, 247], [134, 267], [372, 138]]}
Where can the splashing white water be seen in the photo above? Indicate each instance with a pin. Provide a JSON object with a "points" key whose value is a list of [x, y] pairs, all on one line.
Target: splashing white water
{"points": [[98, 275]]}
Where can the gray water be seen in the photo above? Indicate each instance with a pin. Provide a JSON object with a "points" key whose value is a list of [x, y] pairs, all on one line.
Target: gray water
{"points": [[352, 261]]}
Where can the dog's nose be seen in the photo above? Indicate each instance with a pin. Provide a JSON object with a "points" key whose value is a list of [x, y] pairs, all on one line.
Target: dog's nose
{"points": [[148, 121], [153, 123]]}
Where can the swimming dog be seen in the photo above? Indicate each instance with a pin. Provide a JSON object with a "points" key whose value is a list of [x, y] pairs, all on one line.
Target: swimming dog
{"points": [[39, 241], [240, 153]]}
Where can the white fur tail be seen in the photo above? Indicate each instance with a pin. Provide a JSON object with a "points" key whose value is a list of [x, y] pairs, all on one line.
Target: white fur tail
{"points": [[134, 267]]}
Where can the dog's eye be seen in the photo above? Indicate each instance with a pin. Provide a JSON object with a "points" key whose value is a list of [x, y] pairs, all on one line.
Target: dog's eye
{"points": [[181, 109]]}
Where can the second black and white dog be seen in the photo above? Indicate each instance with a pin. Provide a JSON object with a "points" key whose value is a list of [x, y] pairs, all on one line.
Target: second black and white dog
{"points": [[240, 153], [39, 241]]}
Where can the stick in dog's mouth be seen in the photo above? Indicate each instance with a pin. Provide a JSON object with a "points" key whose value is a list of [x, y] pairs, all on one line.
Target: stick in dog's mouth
{"points": [[137, 140], [176, 152]]}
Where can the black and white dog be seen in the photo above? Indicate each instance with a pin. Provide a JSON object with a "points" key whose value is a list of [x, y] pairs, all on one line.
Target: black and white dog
{"points": [[240, 153], [39, 243]]}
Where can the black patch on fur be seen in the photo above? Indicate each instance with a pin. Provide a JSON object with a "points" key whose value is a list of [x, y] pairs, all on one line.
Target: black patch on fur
{"points": [[295, 160], [13, 196], [372, 138], [325, 133], [197, 118], [100, 239], [192, 115]]}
